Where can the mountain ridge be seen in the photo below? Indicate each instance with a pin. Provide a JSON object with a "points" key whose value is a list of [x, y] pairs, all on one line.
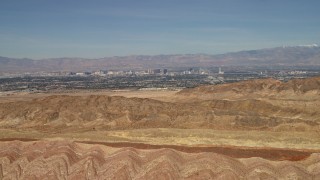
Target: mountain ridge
{"points": [[71, 160], [293, 55], [256, 105]]}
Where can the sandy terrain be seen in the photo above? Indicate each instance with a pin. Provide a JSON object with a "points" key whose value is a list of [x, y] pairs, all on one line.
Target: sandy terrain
{"points": [[163, 95]]}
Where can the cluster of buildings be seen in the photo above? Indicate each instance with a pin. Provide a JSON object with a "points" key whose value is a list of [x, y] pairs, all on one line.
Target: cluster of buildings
{"points": [[149, 79], [158, 71], [230, 73], [121, 73]]}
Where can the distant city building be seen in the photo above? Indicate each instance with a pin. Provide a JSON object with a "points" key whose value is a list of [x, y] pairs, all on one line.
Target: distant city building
{"points": [[156, 71], [220, 71], [80, 74], [297, 72], [110, 73], [130, 72], [100, 73], [165, 71]]}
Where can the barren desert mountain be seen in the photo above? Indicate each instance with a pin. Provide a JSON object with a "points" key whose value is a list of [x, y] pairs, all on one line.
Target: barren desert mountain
{"points": [[288, 56], [70, 160], [257, 129], [63, 112], [278, 106], [271, 86]]}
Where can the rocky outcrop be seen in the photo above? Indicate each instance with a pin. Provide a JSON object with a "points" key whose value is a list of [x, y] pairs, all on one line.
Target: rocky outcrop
{"points": [[70, 160], [259, 86], [258, 104], [61, 112]]}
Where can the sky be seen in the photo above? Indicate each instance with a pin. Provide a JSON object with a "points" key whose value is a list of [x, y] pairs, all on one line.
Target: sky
{"points": [[101, 28]]}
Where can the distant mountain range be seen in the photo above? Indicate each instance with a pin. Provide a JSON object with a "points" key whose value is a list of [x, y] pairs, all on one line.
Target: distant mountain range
{"points": [[296, 55]]}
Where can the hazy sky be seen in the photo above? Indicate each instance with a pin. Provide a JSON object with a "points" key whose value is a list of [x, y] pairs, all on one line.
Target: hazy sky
{"points": [[100, 28]]}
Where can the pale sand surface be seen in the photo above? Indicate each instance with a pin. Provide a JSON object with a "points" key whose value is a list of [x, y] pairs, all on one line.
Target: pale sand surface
{"points": [[188, 137], [162, 95]]}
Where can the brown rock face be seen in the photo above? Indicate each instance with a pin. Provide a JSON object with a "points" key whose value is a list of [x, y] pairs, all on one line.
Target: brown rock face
{"points": [[69, 160], [123, 113], [260, 85], [260, 129], [262, 104]]}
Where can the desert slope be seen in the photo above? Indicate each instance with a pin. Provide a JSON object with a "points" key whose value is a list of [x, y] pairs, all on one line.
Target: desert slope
{"points": [[257, 105], [105, 112], [69, 160], [256, 86], [258, 129]]}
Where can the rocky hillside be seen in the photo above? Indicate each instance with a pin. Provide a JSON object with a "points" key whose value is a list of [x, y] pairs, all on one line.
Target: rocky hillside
{"points": [[70, 160], [297, 86], [103, 112], [277, 113]]}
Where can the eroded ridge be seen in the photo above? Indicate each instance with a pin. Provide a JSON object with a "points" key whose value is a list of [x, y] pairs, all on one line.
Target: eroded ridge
{"points": [[70, 160]]}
